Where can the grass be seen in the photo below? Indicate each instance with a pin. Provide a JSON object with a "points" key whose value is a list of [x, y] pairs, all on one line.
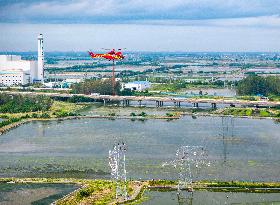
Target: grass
{"points": [[59, 106], [250, 98], [58, 109], [162, 183], [254, 112], [274, 97], [93, 192], [241, 184], [166, 87]]}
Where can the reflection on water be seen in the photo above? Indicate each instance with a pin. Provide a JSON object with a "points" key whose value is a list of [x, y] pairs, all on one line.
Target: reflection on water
{"points": [[25, 194], [213, 198], [239, 149]]}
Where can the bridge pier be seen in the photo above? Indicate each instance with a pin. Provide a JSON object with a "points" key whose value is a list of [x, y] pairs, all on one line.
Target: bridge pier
{"points": [[177, 103], [214, 105], [195, 105], [159, 103], [232, 105], [140, 102], [125, 103], [104, 102]]}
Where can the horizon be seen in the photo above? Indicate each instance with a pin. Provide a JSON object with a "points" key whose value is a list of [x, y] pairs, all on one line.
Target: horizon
{"points": [[171, 52], [164, 26]]}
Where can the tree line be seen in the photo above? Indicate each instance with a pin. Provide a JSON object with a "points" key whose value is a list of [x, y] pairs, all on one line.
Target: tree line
{"points": [[103, 87], [257, 85]]}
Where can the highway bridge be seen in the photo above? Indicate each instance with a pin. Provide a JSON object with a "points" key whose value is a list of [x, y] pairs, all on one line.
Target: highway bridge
{"points": [[159, 101]]}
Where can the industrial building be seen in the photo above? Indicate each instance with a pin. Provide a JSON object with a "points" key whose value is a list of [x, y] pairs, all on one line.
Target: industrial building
{"points": [[15, 71], [137, 85]]}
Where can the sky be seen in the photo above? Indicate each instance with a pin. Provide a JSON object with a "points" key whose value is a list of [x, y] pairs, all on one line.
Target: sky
{"points": [[141, 25]]}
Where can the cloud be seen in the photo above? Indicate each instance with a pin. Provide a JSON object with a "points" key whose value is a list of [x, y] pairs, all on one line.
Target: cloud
{"points": [[133, 11], [259, 22], [135, 37]]}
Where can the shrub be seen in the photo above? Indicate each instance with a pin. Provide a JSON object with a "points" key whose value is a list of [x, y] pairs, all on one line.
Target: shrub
{"points": [[9, 121], [34, 115], [248, 112], [61, 114], [64, 114], [264, 113], [4, 116], [132, 114], [83, 193], [26, 116], [45, 115], [143, 114], [20, 103], [169, 114]]}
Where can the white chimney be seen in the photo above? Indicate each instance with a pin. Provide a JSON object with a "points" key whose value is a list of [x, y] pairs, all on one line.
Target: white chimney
{"points": [[40, 70]]}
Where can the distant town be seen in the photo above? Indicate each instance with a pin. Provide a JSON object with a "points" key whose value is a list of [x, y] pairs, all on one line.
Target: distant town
{"points": [[159, 72]]}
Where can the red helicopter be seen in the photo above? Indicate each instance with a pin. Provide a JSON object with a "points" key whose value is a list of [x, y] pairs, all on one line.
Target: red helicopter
{"points": [[111, 55]]}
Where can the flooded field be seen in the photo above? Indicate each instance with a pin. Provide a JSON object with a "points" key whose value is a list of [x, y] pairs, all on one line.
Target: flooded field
{"points": [[35, 194], [238, 149], [211, 198]]}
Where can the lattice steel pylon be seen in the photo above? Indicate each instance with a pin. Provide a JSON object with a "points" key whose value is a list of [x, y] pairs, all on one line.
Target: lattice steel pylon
{"points": [[186, 158], [118, 170]]}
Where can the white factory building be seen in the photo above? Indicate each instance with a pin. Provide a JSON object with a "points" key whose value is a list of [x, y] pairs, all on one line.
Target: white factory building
{"points": [[15, 71], [137, 85]]}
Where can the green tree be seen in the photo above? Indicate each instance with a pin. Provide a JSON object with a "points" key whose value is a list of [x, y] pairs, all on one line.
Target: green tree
{"points": [[252, 85], [104, 87], [20, 103]]}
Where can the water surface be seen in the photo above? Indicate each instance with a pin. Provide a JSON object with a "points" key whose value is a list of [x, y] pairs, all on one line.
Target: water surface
{"points": [[238, 149], [210, 198], [33, 194]]}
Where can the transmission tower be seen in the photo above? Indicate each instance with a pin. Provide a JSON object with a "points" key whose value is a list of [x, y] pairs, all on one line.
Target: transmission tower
{"points": [[118, 171], [188, 157]]}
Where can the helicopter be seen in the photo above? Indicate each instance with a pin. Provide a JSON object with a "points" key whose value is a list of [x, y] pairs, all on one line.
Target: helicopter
{"points": [[111, 55]]}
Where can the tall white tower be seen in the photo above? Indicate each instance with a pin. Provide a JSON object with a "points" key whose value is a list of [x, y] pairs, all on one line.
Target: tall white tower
{"points": [[40, 70]]}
